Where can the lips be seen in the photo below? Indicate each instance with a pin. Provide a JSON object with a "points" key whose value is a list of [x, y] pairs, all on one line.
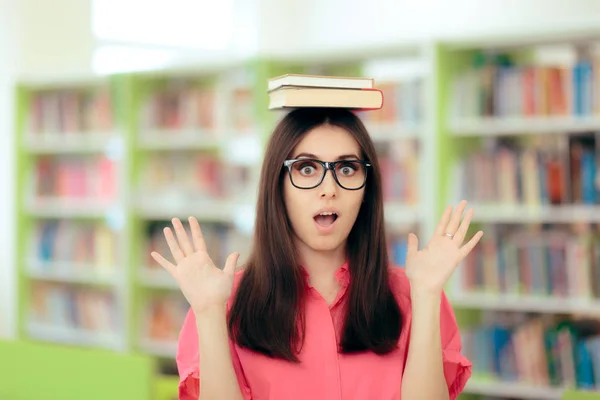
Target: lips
{"points": [[326, 218]]}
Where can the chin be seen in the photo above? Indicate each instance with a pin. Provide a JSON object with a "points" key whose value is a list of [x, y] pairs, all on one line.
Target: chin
{"points": [[325, 244]]}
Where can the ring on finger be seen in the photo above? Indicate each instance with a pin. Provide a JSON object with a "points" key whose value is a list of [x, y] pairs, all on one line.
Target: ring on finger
{"points": [[450, 235]]}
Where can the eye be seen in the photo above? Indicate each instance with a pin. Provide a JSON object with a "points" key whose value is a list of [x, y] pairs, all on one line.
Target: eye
{"points": [[306, 168], [347, 169]]}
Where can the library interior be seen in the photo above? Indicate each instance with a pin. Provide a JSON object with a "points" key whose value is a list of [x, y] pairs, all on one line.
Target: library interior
{"points": [[117, 116]]}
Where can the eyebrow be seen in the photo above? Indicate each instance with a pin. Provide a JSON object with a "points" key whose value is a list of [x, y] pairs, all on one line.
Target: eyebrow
{"points": [[342, 157]]}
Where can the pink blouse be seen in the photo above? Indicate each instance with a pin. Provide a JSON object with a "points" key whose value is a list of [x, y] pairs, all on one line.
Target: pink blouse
{"points": [[323, 373]]}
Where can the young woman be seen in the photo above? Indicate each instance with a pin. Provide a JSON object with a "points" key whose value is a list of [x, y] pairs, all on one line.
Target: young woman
{"points": [[318, 312]]}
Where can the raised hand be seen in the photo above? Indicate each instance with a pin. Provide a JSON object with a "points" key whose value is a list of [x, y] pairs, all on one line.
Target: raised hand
{"points": [[203, 284], [430, 268]]}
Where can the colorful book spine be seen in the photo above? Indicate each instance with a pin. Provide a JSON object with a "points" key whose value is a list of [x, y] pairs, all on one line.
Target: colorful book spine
{"points": [[554, 262], [508, 90], [540, 351], [553, 171]]}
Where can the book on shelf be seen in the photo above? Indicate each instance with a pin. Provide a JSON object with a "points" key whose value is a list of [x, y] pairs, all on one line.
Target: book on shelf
{"points": [[399, 166], [242, 111], [163, 318], [504, 88], [541, 351], [75, 178], [71, 307], [314, 91], [71, 112], [404, 105], [75, 246], [397, 246], [549, 170], [559, 262], [220, 239], [195, 175], [180, 105]]}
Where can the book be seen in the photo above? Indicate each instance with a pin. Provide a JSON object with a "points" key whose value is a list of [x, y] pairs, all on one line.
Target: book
{"points": [[339, 82], [292, 96], [538, 350]]}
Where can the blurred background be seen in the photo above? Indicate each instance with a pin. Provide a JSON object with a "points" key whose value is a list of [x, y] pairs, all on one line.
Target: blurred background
{"points": [[117, 116]]}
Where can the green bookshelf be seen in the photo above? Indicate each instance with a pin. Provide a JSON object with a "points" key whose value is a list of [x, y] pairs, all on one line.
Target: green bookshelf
{"points": [[496, 108]]}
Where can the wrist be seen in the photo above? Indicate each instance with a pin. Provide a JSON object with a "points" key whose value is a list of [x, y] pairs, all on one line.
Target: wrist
{"points": [[211, 312], [425, 293]]}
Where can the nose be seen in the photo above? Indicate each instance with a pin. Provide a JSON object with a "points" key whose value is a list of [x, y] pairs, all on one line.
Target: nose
{"points": [[328, 187]]}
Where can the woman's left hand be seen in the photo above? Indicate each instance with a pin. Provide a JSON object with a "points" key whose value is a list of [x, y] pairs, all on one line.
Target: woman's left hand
{"points": [[430, 268]]}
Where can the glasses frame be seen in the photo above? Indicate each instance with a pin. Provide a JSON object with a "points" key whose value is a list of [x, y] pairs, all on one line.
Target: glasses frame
{"points": [[327, 165]]}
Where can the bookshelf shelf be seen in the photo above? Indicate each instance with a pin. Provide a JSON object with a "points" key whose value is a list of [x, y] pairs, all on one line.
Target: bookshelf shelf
{"points": [[217, 210], [495, 126], [57, 208], [73, 273], [397, 213], [73, 143], [513, 390], [71, 336], [383, 132], [157, 278], [503, 213], [541, 304], [179, 140]]}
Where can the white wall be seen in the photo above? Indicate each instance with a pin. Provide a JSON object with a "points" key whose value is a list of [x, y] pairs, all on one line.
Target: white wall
{"points": [[54, 37], [347, 23], [7, 61]]}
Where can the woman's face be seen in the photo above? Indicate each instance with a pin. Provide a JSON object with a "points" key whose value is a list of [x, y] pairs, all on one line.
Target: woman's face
{"points": [[323, 216]]}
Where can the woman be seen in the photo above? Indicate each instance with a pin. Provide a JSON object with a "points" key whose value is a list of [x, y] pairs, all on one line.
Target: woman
{"points": [[318, 313]]}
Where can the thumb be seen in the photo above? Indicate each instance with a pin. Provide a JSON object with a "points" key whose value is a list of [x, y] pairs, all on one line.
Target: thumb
{"points": [[412, 245], [231, 263]]}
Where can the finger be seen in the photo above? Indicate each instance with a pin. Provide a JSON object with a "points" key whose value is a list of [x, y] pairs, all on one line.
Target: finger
{"points": [[456, 217], [412, 245], [231, 263], [463, 228], [184, 241], [197, 236], [163, 262], [440, 230], [470, 245], [173, 246]]}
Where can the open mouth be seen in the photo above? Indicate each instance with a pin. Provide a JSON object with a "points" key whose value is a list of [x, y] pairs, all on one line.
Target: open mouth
{"points": [[325, 218]]}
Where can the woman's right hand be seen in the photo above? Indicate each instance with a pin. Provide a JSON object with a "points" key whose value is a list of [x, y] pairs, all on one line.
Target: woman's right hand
{"points": [[203, 284]]}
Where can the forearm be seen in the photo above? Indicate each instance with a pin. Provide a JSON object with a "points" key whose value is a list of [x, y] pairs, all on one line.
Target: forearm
{"points": [[424, 373], [217, 376]]}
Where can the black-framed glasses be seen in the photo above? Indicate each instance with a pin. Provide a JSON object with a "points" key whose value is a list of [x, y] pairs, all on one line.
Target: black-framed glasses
{"points": [[308, 173]]}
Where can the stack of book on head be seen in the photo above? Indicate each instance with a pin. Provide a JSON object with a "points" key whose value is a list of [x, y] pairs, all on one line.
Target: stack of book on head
{"points": [[294, 91]]}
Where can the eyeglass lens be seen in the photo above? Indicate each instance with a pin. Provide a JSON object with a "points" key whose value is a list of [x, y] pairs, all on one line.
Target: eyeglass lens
{"points": [[308, 174]]}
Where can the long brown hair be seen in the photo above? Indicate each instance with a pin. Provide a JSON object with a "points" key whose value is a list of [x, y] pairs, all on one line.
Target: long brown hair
{"points": [[267, 314]]}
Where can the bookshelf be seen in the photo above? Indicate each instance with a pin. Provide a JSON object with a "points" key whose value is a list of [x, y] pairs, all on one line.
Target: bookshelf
{"points": [[71, 192], [518, 127], [190, 128]]}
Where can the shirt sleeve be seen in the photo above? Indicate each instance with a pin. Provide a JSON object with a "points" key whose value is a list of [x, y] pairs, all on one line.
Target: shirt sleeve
{"points": [[457, 368], [188, 364]]}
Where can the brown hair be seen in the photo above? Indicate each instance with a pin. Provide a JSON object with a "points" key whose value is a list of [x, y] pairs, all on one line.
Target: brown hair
{"points": [[267, 313]]}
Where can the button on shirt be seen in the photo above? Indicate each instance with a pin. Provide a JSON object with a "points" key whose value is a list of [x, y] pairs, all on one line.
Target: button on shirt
{"points": [[323, 372]]}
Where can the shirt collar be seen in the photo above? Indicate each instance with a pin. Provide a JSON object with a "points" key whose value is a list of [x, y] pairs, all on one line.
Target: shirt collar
{"points": [[342, 274]]}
